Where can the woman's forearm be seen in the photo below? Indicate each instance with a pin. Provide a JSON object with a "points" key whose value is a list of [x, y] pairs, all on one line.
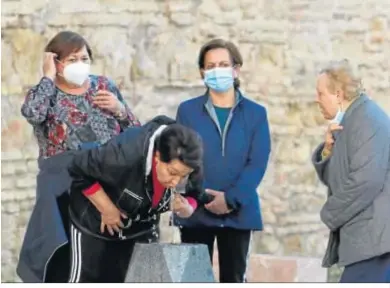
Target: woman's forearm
{"points": [[37, 101], [100, 200]]}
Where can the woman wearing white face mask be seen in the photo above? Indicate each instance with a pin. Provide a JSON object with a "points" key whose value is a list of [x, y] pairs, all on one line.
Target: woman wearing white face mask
{"points": [[69, 108]]}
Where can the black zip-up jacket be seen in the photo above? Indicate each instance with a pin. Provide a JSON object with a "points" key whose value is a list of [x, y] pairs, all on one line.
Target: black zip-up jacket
{"points": [[122, 167]]}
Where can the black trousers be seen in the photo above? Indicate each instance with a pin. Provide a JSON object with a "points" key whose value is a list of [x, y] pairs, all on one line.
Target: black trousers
{"points": [[58, 266], [233, 249], [95, 260]]}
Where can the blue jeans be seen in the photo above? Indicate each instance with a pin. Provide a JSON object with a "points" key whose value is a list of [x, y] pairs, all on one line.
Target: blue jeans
{"points": [[374, 270]]}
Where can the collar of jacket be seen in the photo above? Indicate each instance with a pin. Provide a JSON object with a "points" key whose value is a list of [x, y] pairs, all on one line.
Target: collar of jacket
{"points": [[150, 152], [209, 108], [355, 104], [209, 104], [154, 129]]}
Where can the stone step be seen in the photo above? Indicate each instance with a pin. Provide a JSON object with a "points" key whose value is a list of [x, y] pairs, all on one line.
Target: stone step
{"points": [[268, 268]]}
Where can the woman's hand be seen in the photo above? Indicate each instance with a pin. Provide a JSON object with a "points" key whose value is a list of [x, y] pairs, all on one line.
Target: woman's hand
{"points": [[181, 207], [111, 218], [49, 67], [218, 205], [110, 214], [106, 100]]}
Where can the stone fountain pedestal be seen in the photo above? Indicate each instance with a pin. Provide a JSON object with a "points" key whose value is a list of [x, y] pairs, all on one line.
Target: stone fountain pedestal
{"points": [[170, 262]]}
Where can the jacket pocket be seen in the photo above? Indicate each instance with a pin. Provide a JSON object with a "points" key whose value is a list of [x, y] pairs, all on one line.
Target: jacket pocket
{"points": [[129, 202]]}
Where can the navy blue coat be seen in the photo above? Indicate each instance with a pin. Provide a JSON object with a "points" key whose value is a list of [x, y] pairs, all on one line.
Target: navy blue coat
{"points": [[47, 230]]}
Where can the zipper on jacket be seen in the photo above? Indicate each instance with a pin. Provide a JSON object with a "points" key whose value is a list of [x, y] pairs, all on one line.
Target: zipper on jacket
{"points": [[166, 201], [225, 130], [132, 194], [146, 188], [211, 111], [147, 138]]}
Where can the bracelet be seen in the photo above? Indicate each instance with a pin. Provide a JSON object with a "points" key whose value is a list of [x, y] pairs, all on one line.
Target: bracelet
{"points": [[120, 115]]}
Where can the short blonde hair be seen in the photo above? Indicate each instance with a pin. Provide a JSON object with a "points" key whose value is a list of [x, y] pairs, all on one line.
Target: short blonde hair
{"points": [[342, 76]]}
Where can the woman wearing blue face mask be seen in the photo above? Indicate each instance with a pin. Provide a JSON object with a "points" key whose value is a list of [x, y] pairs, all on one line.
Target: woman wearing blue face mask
{"points": [[236, 142]]}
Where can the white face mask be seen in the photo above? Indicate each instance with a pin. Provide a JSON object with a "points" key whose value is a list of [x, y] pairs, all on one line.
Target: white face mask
{"points": [[76, 73]]}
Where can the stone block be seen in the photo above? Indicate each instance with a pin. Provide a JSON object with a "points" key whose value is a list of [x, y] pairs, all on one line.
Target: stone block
{"points": [[29, 180], [281, 269], [182, 19], [263, 243], [166, 263], [180, 6], [24, 58], [7, 183], [13, 168], [22, 7], [262, 269]]}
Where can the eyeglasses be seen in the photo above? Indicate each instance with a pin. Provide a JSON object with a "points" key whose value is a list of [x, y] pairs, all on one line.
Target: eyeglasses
{"points": [[74, 60]]}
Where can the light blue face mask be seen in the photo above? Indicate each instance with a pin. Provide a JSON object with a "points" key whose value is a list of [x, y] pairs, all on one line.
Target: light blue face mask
{"points": [[339, 117], [219, 79]]}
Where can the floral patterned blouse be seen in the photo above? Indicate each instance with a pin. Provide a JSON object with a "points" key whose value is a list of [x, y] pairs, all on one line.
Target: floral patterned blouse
{"points": [[63, 121]]}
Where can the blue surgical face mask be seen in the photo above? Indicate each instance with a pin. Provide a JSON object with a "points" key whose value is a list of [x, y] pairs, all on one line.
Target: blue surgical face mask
{"points": [[339, 117], [219, 79]]}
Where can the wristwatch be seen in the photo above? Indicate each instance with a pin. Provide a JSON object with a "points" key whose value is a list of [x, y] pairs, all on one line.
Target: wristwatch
{"points": [[325, 153], [119, 114]]}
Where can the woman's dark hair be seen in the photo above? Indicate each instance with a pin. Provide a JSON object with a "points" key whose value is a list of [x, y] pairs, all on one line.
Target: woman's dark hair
{"points": [[66, 43], [182, 143], [235, 54]]}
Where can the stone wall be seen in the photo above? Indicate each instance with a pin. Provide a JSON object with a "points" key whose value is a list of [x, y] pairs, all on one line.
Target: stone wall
{"points": [[149, 47]]}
